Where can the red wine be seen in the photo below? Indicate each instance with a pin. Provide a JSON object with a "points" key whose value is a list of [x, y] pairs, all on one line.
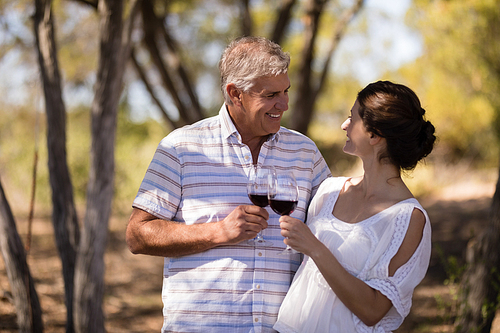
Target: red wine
{"points": [[283, 207], [259, 199]]}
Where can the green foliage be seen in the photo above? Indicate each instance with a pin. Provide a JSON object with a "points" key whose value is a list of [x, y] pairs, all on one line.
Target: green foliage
{"points": [[135, 146], [454, 270], [134, 149], [456, 77], [20, 133]]}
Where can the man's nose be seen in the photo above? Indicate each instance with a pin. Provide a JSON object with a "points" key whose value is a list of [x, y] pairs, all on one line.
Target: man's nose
{"points": [[282, 103]]}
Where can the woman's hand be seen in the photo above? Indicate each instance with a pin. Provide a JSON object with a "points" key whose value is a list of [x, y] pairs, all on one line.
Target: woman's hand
{"points": [[298, 235]]}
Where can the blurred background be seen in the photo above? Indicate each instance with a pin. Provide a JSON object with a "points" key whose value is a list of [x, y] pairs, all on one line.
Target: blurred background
{"points": [[448, 52], [434, 47]]}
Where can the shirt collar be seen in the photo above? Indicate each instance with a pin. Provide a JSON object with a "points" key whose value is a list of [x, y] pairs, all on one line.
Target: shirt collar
{"points": [[229, 129]]}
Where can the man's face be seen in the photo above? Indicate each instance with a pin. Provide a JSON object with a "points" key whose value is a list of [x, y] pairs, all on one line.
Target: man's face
{"points": [[262, 107]]}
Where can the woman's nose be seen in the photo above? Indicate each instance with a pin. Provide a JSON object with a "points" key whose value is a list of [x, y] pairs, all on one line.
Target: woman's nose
{"points": [[345, 124]]}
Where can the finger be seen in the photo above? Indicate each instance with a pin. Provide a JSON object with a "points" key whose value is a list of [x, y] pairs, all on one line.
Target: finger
{"points": [[284, 232], [256, 210], [255, 220]]}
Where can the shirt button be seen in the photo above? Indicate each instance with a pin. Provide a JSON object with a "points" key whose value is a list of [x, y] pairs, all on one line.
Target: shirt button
{"points": [[247, 157], [258, 286], [260, 254], [256, 320]]}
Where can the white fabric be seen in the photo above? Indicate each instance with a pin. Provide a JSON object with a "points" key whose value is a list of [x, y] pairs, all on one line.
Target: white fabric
{"points": [[365, 250]]}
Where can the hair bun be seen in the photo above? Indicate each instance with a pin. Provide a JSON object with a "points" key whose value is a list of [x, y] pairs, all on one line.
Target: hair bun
{"points": [[394, 112], [427, 138]]}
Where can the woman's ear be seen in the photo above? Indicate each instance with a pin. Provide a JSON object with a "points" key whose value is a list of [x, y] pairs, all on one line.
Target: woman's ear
{"points": [[374, 139], [234, 93]]}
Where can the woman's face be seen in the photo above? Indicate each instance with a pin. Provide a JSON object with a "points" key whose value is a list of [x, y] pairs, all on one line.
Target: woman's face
{"points": [[357, 142]]}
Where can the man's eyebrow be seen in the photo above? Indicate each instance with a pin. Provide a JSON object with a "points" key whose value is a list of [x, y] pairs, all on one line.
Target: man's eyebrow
{"points": [[277, 91]]}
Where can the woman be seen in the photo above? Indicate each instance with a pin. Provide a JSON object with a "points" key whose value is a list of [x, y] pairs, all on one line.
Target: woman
{"points": [[367, 242]]}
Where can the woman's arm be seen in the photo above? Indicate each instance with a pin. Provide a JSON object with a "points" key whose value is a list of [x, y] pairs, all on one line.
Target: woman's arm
{"points": [[368, 304]]}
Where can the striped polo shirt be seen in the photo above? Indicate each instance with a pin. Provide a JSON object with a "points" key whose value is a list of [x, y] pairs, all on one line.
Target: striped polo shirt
{"points": [[199, 174]]}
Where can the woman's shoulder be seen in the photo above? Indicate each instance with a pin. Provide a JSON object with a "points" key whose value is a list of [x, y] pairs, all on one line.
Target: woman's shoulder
{"points": [[332, 184]]}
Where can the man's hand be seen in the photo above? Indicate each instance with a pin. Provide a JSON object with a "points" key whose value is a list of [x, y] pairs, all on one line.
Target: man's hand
{"points": [[243, 223]]}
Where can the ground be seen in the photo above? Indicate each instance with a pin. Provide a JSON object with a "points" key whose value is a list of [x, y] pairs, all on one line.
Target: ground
{"points": [[133, 283]]}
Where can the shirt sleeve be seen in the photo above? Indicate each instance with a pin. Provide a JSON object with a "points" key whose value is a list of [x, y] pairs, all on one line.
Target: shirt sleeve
{"points": [[321, 171], [400, 287], [160, 190]]}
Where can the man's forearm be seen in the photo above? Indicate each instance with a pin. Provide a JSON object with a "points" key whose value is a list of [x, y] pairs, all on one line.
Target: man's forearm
{"points": [[149, 235]]}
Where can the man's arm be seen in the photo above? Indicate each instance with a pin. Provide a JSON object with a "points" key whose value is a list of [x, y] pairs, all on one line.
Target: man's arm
{"points": [[147, 234]]}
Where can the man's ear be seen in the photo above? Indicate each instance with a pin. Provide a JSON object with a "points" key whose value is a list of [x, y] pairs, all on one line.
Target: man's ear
{"points": [[234, 93]]}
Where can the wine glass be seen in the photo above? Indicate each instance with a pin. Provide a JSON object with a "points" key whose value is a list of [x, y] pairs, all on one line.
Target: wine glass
{"points": [[261, 178], [283, 198]]}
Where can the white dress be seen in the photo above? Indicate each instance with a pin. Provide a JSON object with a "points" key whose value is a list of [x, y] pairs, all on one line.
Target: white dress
{"points": [[365, 250]]}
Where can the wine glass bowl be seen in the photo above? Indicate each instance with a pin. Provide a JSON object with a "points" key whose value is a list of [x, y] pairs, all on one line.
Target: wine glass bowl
{"points": [[261, 179], [283, 206], [283, 198], [284, 194]]}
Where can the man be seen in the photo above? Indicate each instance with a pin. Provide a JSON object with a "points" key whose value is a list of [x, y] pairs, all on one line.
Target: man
{"points": [[192, 207]]}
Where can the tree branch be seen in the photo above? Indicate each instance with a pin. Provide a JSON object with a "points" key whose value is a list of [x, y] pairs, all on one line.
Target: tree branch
{"points": [[176, 63], [340, 29], [284, 16], [150, 28], [246, 18], [149, 88]]}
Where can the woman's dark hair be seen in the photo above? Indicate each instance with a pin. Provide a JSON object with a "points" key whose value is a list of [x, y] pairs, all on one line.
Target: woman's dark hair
{"points": [[393, 111]]}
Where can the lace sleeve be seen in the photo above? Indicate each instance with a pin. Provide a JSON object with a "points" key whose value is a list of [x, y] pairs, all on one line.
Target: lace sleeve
{"points": [[399, 288]]}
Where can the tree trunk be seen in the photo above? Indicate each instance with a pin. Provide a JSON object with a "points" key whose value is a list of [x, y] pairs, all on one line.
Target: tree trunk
{"points": [[64, 217], [89, 274], [310, 88], [29, 313], [304, 101], [283, 18], [479, 291], [246, 18], [340, 29]]}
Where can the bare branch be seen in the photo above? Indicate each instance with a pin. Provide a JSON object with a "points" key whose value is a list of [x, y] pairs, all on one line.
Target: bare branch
{"points": [[305, 99], [340, 29], [177, 65], [148, 86], [150, 23], [284, 16], [91, 3], [246, 18]]}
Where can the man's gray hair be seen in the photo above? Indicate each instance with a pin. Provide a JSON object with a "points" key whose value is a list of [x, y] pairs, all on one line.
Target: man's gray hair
{"points": [[248, 58]]}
